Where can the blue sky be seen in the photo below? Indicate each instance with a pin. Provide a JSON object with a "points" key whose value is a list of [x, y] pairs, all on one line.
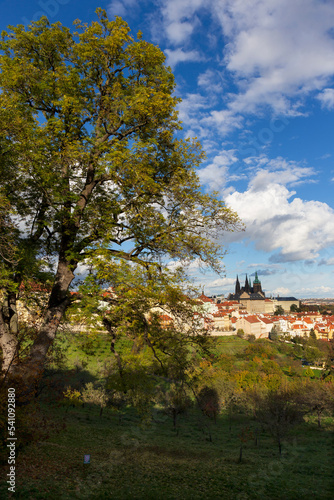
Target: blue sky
{"points": [[256, 82]]}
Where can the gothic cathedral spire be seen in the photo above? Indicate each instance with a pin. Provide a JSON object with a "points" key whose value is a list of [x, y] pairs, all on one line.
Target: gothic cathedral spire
{"points": [[247, 289], [237, 287]]}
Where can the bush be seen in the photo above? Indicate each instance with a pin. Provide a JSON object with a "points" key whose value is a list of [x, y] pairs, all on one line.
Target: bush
{"points": [[208, 401], [95, 395], [72, 397]]}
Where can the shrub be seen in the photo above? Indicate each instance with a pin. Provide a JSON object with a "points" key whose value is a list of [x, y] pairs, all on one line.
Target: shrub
{"points": [[208, 401], [72, 397], [95, 395]]}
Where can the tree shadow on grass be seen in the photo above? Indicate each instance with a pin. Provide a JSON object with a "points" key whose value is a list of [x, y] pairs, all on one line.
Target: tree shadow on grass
{"points": [[54, 383]]}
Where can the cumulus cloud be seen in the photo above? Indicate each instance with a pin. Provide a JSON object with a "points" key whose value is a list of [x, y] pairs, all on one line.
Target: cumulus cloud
{"points": [[210, 81], [276, 52], [326, 262], [277, 48], [265, 272], [278, 170], [191, 110], [215, 175], [120, 7], [317, 290], [223, 120], [179, 31], [276, 221], [272, 268], [221, 283], [179, 55], [282, 291], [327, 98], [180, 19]]}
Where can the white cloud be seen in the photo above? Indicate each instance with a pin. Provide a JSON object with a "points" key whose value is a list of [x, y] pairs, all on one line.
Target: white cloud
{"points": [[120, 7], [278, 170], [179, 19], [327, 98], [215, 175], [82, 270], [325, 156], [264, 269], [327, 262], [179, 32], [191, 110], [281, 291], [223, 121], [277, 49], [315, 291], [179, 55], [225, 283], [210, 81], [277, 222], [276, 52]]}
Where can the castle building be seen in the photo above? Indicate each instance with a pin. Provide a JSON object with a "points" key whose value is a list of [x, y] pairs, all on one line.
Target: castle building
{"points": [[248, 289], [253, 298]]}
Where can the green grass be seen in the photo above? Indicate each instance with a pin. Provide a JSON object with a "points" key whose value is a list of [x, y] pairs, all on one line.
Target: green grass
{"points": [[198, 462], [230, 345], [132, 462]]}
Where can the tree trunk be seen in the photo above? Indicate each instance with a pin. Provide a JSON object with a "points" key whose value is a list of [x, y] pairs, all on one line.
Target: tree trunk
{"points": [[30, 371], [111, 331], [8, 343], [8, 331], [240, 455], [210, 436]]}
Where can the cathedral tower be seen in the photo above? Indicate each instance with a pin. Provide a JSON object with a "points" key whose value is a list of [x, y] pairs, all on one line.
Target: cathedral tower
{"points": [[257, 284], [237, 287], [246, 287]]}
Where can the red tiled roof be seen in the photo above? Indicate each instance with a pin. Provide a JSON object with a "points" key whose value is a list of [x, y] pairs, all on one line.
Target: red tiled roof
{"points": [[266, 320], [165, 317], [252, 319], [204, 298]]}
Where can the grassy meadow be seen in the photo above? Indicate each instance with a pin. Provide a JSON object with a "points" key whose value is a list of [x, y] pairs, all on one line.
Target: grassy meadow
{"points": [[232, 458]]}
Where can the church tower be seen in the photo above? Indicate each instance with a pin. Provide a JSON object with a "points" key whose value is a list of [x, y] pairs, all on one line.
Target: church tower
{"points": [[257, 284], [237, 287], [246, 287]]}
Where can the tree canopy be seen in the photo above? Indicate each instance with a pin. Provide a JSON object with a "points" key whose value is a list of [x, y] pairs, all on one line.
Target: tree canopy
{"points": [[91, 161]]}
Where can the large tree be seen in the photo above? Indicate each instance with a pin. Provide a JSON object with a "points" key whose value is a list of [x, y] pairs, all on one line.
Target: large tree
{"points": [[91, 159]]}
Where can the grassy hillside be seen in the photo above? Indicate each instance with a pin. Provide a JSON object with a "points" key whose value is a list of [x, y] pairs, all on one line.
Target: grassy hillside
{"points": [[132, 462], [152, 459]]}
